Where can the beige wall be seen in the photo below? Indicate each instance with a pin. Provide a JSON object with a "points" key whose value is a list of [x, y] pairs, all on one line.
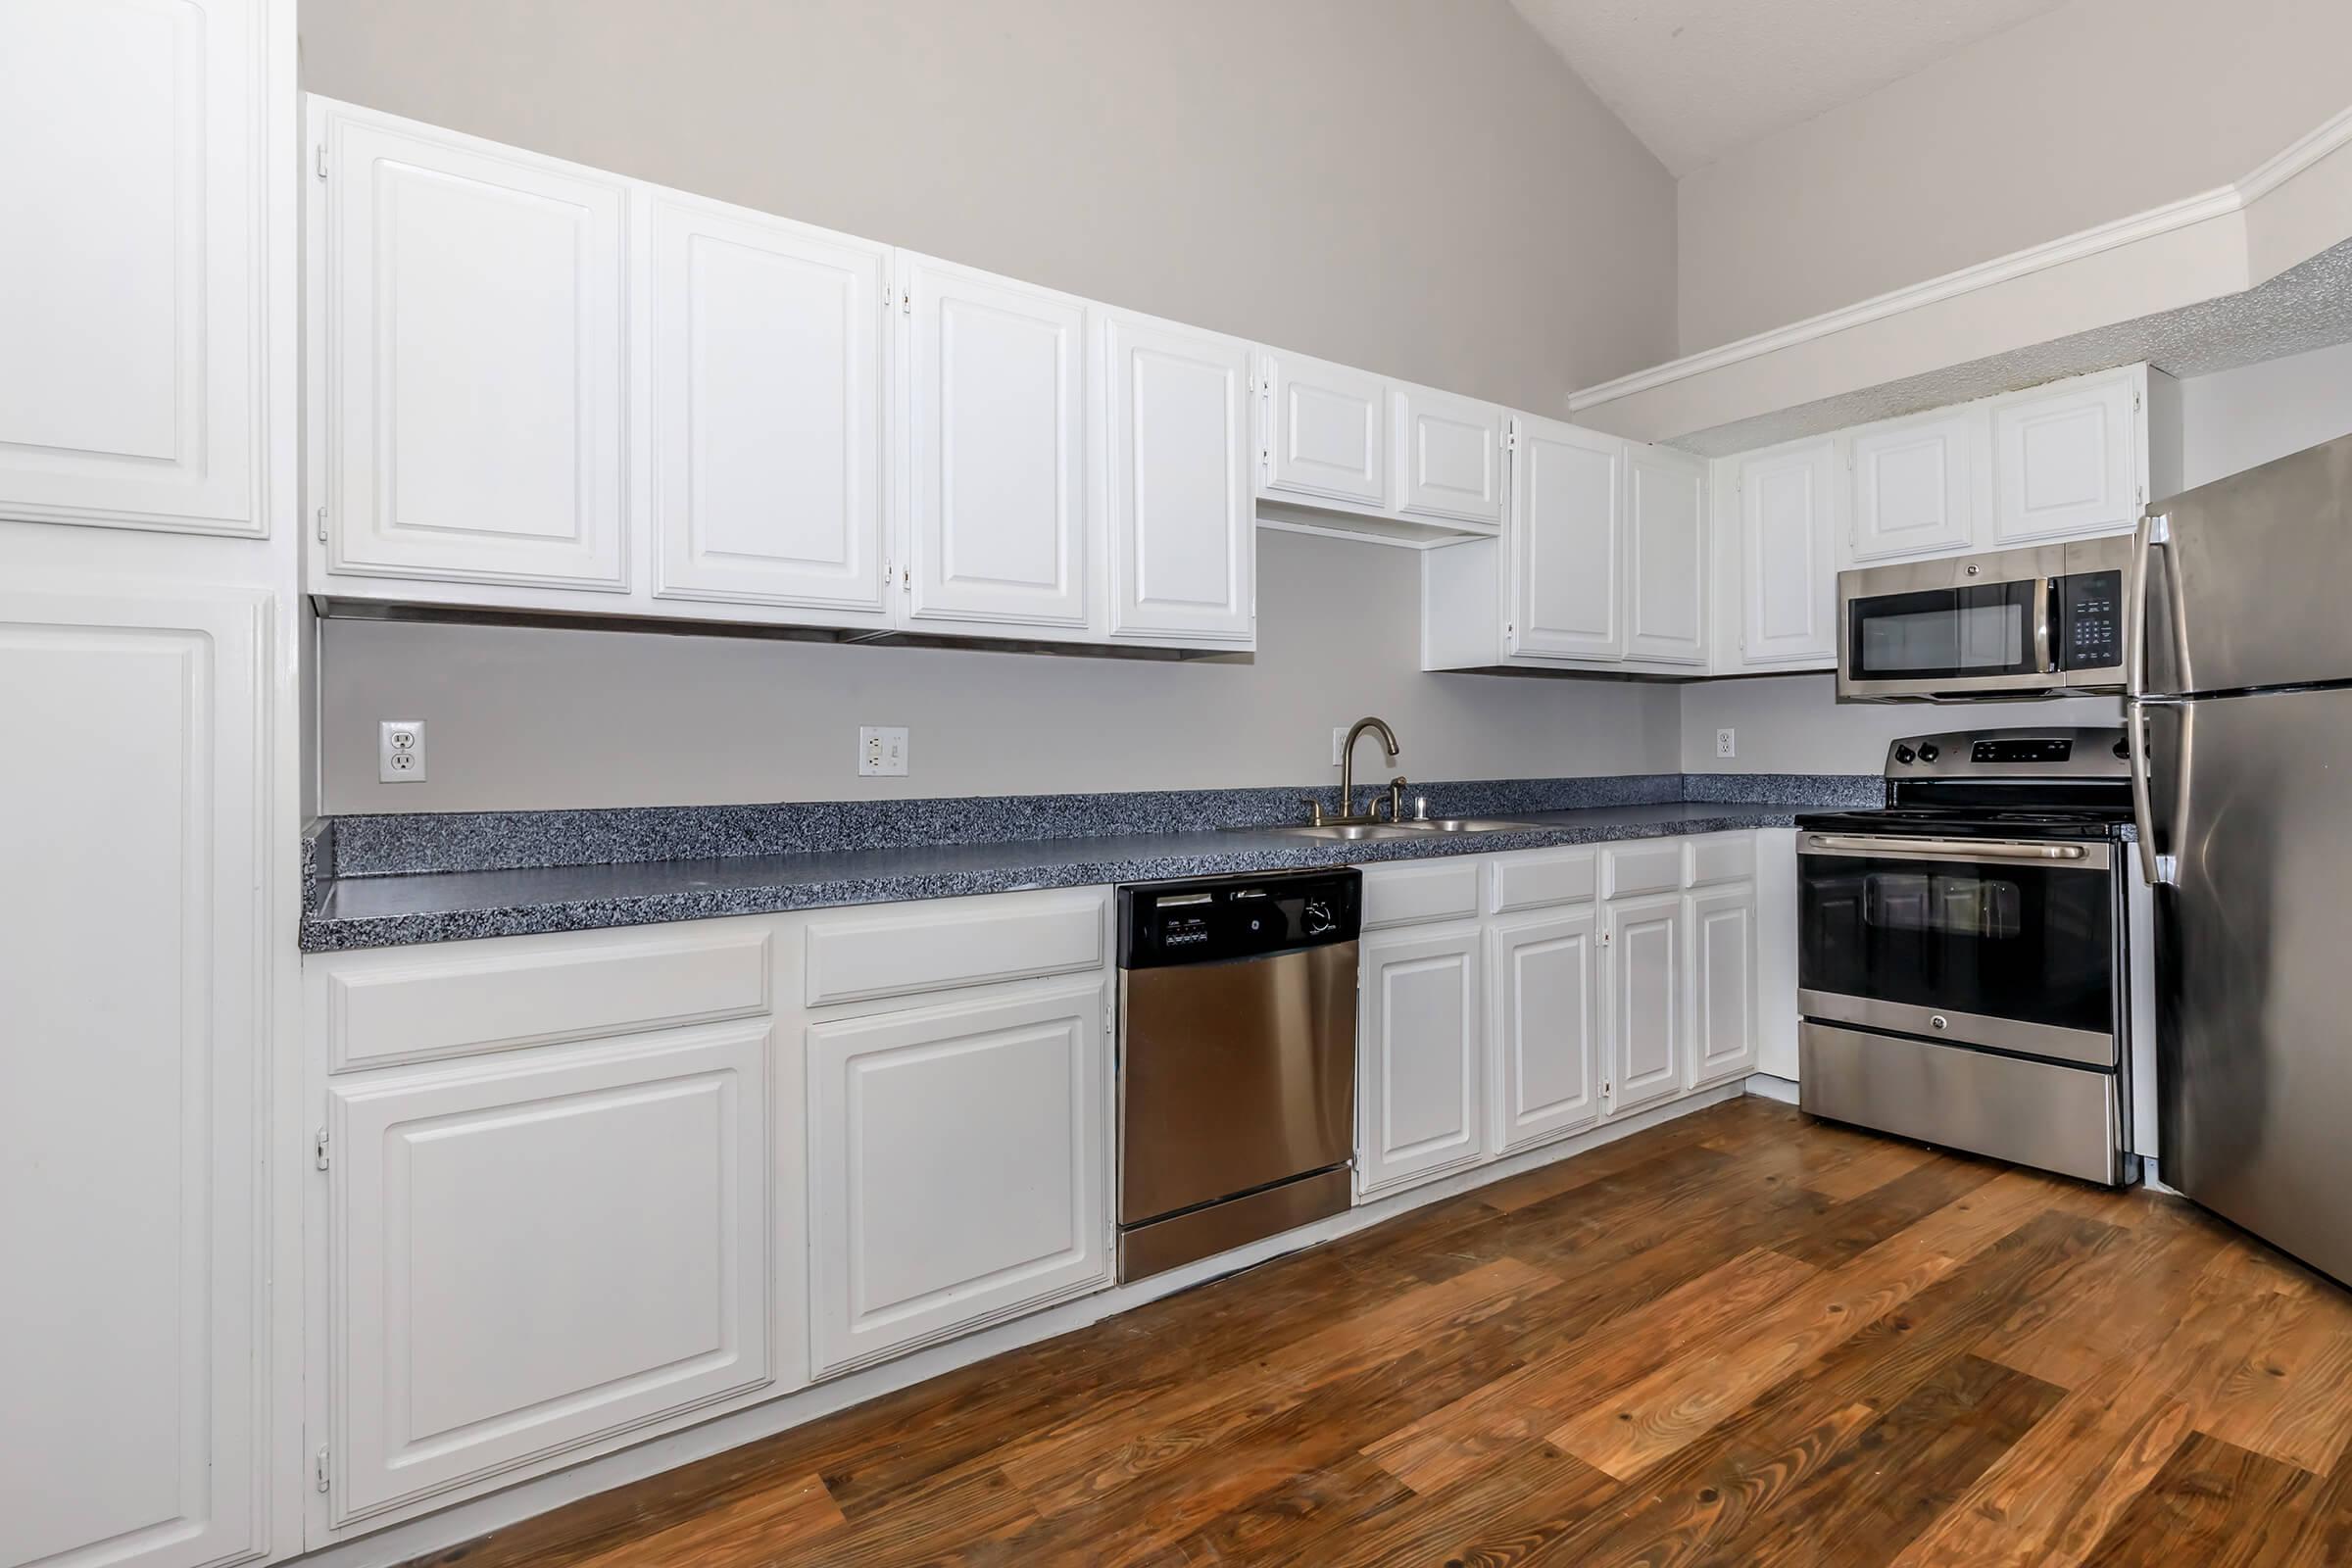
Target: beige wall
{"points": [[2237, 418], [2099, 110]]}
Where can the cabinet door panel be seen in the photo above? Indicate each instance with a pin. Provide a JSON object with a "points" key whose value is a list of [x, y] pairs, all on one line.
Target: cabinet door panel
{"points": [[133, 967], [1327, 436], [1665, 557], [1565, 542], [1448, 456], [1543, 1012], [1177, 449], [474, 358], [535, 1253], [1788, 563], [1647, 976], [1724, 1032], [1420, 1054], [957, 1167], [996, 444], [1915, 488], [130, 362], [2067, 463], [766, 410]]}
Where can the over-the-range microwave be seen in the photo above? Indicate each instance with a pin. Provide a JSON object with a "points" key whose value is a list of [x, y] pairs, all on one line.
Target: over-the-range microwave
{"points": [[2011, 623]]}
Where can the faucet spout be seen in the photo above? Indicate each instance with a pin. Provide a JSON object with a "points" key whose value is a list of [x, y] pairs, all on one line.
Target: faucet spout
{"points": [[1387, 741]]}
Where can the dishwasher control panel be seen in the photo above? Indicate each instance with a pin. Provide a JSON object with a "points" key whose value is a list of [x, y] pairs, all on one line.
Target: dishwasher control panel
{"points": [[1212, 918]]}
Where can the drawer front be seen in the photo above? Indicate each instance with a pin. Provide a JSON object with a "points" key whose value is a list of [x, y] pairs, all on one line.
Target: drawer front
{"points": [[413, 1004], [1652, 868], [1407, 895], [1540, 877], [1721, 858], [959, 942]]}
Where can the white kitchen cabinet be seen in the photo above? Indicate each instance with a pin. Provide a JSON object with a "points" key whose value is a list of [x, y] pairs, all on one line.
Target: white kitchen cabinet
{"points": [[993, 421], [1565, 542], [1915, 484], [132, 341], [134, 964], [1325, 432], [1788, 557], [1419, 1052], [958, 1164], [1724, 1029], [1544, 1013], [1177, 463], [1665, 556], [2066, 459], [1448, 456], [472, 299], [1649, 978], [766, 410]]}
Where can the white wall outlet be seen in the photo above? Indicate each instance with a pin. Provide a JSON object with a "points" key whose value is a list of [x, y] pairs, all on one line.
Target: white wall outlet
{"points": [[882, 752], [1338, 744], [400, 752], [1727, 743]]}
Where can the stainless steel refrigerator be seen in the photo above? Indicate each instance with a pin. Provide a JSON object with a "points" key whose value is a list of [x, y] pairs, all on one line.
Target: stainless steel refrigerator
{"points": [[2241, 723]]}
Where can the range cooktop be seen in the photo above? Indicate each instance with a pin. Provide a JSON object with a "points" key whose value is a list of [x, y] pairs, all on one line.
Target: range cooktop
{"points": [[2063, 783]]}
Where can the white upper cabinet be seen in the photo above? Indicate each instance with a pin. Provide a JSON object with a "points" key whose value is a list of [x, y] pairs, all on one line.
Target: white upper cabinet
{"points": [[1448, 456], [766, 408], [1564, 541], [476, 343], [1787, 573], [1176, 466], [993, 447], [2068, 459], [1915, 485], [1325, 432], [1544, 988], [1665, 557], [131, 273]]}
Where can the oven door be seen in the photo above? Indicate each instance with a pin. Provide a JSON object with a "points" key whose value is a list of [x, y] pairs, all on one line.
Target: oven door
{"points": [[2009, 946], [1945, 629]]}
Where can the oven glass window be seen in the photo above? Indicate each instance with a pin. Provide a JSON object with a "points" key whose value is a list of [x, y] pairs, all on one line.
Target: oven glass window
{"points": [[1944, 632], [2032, 943]]}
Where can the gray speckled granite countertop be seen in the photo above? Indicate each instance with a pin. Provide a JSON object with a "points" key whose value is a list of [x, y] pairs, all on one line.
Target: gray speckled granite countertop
{"points": [[390, 911]]}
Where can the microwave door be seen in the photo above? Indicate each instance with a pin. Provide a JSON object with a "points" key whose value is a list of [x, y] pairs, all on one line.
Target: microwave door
{"points": [[1947, 639]]}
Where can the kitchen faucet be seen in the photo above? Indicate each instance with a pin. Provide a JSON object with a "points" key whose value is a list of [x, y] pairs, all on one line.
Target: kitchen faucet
{"points": [[1387, 741]]}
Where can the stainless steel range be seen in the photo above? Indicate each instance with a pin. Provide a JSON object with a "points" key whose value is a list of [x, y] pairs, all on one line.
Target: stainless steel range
{"points": [[1962, 963]]}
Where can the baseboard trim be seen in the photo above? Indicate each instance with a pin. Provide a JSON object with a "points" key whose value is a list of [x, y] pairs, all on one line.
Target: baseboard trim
{"points": [[1765, 1086]]}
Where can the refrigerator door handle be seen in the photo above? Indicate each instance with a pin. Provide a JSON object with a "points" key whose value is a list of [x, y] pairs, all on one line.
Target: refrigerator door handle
{"points": [[2154, 530]]}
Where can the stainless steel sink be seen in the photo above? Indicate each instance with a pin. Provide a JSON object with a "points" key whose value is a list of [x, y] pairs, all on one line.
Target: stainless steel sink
{"points": [[1406, 829], [1463, 824]]}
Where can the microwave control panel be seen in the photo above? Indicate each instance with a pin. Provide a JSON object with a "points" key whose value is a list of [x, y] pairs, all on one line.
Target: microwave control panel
{"points": [[2091, 609]]}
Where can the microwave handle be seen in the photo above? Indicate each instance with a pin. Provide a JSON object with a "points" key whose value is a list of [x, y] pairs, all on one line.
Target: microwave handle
{"points": [[2042, 595]]}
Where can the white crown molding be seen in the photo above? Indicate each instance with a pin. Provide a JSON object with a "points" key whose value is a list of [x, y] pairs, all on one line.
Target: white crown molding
{"points": [[2223, 201]]}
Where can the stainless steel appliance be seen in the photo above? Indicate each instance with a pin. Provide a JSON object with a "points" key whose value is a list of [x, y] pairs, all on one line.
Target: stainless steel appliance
{"points": [[2241, 714], [1236, 1060], [2017, 622], [1962, 959]]}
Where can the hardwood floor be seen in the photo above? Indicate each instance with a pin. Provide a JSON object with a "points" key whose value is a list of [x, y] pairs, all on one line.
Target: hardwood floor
{"points": [[1740, 1338]]}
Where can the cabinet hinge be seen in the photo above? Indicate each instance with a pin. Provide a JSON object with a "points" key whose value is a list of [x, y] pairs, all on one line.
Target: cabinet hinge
{"points": [[2136, 401], [318, 1471], [907, 302], [321, 166], [906, 578], [1510, 440], [323, 525], [319, 1149]]}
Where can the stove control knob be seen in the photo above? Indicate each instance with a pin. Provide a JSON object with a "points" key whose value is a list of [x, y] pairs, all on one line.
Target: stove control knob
{"points": [[1316, 917], [1905, 755], [1928, 752]]}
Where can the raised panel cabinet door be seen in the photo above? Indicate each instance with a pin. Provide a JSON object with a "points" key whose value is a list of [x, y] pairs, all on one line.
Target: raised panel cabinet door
{"points": [[994, 437], [1649, 978], [1544, 982], [130, 275], [959, 1167], [2066, 461], [1788, 558], [1915, 486], [1566, 542], [471, 298], [133, 968], [1448, 457], [1665, 557], [1182, 526], [1724, 1033], [1326, 432], [766, 410], [1420, 1052], [538, 1251]]}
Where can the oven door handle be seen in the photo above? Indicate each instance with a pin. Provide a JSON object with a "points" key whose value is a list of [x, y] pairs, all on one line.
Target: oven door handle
{"points": [[1941, 849]]}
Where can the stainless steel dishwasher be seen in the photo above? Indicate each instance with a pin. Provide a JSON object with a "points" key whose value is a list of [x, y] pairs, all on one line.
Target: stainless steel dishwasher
{"points": [[1236, 1060]]}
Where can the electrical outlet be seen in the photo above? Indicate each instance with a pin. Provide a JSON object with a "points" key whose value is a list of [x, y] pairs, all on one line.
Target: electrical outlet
{"points": [[1726, 742], [400, 752], [882, 752], [1338, 744]]}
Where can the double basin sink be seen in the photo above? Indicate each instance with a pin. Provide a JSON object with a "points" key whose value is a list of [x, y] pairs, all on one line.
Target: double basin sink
{"points": [[1411, 827]]}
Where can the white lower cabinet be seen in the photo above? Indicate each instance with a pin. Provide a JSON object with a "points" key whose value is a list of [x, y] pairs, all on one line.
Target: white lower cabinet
{"points": [[957, 1165], [1724, 1027], [1419, 1053], [1647, 974], [1543, 990], [535, 1250]]}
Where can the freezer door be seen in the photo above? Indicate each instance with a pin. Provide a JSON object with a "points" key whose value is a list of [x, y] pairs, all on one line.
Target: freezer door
{"points": [[2249, 589], [2253, 794]]}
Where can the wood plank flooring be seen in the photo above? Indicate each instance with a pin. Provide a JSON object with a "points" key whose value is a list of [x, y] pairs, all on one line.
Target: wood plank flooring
{"points": [[1740, 1338]]}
